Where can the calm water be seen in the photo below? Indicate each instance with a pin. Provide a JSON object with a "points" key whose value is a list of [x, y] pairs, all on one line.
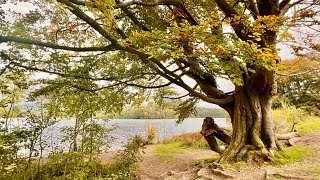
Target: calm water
{"points": [[124, 129], [165, 128]]}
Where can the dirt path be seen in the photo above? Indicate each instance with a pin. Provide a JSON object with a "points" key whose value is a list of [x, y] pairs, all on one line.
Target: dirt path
{"points": [[154, 167]]}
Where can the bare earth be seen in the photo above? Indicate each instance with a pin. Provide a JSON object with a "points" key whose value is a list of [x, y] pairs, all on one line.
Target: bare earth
{"points": [[153, 167]]}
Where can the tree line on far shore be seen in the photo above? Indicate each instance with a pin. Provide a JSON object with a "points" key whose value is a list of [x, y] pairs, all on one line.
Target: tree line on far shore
{"points": [[155, 112]]}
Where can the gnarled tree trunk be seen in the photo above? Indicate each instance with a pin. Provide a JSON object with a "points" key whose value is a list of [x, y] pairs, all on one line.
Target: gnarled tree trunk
{"points": [[251, 115]]}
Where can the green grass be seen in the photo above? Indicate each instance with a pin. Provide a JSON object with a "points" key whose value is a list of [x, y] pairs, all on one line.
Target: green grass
{"points": [[168, 152], [311, 123], [188, 140], [169, 148], [291, 155]]}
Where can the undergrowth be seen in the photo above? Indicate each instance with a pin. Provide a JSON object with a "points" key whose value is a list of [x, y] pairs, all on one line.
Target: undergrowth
{"points": [[77, 165]]}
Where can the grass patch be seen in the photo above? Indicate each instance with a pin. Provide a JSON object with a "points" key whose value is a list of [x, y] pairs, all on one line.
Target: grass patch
{"points": [[291, 155], [311, 123], [191, 140], [168, 152]]}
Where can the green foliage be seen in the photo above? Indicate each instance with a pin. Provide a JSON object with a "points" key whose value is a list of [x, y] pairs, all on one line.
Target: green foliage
{"points": [[125, 163], [285, 118], [299, 82], [186, 109], [107, 53], [25, 137], [78, 165], [291, 155]]}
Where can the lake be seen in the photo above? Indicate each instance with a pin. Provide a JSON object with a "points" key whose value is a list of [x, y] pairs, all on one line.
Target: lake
{"points": [[165, 128], [124, 129]]}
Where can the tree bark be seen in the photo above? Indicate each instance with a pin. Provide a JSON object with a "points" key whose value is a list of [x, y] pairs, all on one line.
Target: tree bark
{"points": [[211, 131], [253, 128], [288, 136]]}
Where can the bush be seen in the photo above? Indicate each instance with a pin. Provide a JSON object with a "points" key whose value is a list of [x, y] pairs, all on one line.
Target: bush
{"points": [[152, 133], [77, 165], [284, 118]]}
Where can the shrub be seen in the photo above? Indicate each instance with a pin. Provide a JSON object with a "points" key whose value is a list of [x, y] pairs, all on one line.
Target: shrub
{"points": [[77, 165], [284, 118], [152, 133]]}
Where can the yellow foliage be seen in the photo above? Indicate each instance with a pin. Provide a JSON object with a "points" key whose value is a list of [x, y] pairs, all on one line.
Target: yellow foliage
{"points": [[152, 133]]}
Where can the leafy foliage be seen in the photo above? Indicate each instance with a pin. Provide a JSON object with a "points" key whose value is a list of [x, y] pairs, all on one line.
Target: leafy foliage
{"points": [[102, 55], [298, 83], [186, 109]]}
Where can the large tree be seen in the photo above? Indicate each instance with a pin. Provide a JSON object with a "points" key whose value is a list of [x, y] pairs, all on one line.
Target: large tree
{"points": [[120, 47]]}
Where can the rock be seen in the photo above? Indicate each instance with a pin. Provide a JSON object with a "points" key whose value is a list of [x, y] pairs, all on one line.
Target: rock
{"points": [[216, 166], [168, 174], [212, 173], [205, 173]]}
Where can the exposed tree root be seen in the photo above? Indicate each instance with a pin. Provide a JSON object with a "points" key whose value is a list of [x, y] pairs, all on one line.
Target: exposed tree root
{"points": [[202, 171], [288, 136], [293, 141]]}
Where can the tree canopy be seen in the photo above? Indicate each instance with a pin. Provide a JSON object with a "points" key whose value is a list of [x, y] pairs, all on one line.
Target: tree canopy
{"points": [[122, 51], [298, 83]]}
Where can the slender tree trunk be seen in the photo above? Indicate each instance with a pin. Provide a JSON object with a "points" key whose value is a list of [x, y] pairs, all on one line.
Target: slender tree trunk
{"points": [[253, 128]]}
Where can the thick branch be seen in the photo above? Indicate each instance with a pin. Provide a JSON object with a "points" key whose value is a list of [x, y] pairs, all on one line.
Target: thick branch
{"points": [[148, 87], [285, 6], [132, 17], [288, 136], [238, 27], [4, 69], [54, 46], [253, 8], [140, 3], [62, 74], [172, 77], [159, 2], [77, 11]]}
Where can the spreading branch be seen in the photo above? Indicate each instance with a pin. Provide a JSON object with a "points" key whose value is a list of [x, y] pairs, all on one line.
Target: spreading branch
{"points": [[4, 39], [133, 18], [16, 64], [238, 27], [94, 24], [154, 63], [139, 3], [285, 5]]}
